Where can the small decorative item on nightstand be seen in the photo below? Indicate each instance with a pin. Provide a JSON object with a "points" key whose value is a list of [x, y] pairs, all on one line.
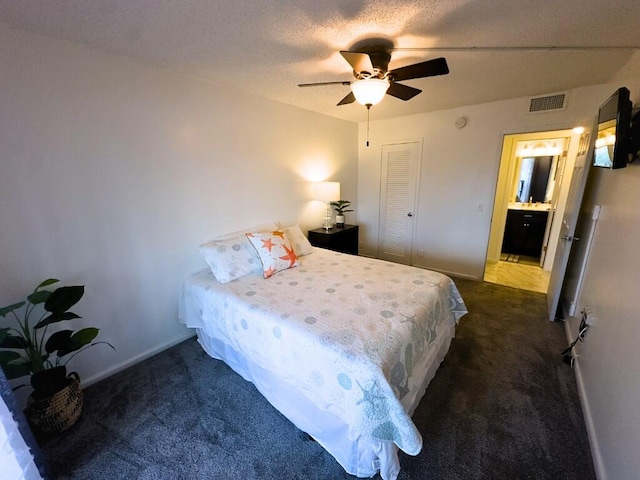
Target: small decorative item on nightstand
{"points": [[341, 207]]}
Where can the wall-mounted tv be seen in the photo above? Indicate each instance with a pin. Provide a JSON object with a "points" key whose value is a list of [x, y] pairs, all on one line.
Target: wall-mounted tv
{"points": [[634, 140], [614, 125]]}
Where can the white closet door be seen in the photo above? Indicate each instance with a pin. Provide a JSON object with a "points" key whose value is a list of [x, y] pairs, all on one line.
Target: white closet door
{"points": [[398, 189]]}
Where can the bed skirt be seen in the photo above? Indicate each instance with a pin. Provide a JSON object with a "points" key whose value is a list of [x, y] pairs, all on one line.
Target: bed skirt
{"points": [[362, 457]]}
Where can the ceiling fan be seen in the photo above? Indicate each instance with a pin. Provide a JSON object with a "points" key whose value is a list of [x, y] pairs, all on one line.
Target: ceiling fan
{"points": [[374, 80]]}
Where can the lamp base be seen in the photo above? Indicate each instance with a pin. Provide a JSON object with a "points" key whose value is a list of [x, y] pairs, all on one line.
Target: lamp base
{"points": [[327, 222]]}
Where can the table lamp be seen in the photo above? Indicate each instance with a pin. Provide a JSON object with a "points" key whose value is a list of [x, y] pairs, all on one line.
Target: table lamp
{"points": [[327, 192]]}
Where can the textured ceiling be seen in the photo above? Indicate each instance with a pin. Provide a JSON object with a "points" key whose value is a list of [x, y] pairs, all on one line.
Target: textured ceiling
{"points": [[267, 47]]}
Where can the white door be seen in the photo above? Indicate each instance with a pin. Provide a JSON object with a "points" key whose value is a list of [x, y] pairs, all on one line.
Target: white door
{"points": [[569, 220], [398, 188], [577, 266]]}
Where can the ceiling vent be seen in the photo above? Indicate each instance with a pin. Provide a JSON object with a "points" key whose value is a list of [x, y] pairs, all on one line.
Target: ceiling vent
{"points": [[548, 103]]}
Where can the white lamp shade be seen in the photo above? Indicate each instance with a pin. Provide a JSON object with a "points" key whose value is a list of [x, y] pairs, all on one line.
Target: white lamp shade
{"points": [[370, 91], [327, 191]]}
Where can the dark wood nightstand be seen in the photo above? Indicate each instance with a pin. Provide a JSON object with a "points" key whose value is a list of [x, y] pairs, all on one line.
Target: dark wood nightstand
{"points": [[343, 239]]}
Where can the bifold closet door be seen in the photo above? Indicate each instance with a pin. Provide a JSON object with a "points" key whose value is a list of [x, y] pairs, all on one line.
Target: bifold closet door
{"points": [[399, 177]]}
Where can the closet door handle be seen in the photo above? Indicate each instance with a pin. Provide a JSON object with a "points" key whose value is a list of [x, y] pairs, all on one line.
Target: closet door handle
{"points": [[409, 214]]}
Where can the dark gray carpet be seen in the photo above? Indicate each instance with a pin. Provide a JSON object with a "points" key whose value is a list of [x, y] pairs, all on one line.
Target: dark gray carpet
{"points": [[502, 406]]}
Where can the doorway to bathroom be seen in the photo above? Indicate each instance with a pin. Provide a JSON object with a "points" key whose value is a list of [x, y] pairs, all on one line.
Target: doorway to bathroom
{"points": [[531, 194]]}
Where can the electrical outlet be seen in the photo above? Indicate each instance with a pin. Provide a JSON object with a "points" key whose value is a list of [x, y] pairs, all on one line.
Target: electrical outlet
{"points": [[421, 253], [589, 318]]}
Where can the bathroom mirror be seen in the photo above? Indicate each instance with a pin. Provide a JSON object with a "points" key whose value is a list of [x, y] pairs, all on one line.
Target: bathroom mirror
{"points": [[534, 181]]}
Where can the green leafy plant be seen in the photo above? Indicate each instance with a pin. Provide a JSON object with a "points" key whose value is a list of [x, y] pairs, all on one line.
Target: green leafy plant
{"points": [[341, 206], [28, 350]]}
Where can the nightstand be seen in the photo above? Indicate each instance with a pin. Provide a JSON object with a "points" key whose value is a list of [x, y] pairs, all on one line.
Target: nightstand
{"points": [[343, 239]]}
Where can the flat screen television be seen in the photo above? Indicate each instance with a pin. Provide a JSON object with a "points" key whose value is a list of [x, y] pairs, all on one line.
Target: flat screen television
{"points": [[634, 140], [614, 124]]}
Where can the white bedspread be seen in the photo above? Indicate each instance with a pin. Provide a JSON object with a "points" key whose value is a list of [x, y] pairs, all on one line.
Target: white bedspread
{"points": [[353, 334]]}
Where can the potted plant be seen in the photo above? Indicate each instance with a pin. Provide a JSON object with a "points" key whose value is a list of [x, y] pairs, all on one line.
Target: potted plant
{"points": [[341, 207], [56, 401]]}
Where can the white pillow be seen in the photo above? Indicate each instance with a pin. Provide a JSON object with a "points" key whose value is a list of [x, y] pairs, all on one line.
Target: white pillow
{"points": [[264, 227], [230, 259], [275, 251], [232, 256], [298, 240]]}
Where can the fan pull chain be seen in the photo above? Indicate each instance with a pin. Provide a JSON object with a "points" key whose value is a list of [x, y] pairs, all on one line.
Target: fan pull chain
{"points": [[368, 110]]}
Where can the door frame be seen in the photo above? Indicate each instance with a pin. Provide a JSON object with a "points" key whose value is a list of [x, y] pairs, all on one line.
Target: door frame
{"points": [[504, 182]]}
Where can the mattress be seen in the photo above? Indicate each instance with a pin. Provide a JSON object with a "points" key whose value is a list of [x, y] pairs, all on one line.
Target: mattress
{"points": [[353, 341]]}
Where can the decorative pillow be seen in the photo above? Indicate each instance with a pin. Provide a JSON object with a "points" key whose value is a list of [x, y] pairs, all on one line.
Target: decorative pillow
{"points": [[298, 240], [230, 259], [274, 250]]}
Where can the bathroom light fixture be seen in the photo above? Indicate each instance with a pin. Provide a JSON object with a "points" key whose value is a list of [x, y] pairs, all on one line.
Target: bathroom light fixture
{"points": [[538, 149], [327, 192], [369, 91]]}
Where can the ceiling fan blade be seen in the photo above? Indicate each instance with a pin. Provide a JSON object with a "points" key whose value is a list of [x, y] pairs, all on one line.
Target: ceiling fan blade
{"points": [[430, 68], [360, 62], [317, 84], [348, 99], [403, 92]]}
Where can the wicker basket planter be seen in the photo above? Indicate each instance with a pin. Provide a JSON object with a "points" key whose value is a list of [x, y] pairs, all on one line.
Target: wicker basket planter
{"points": [[59, 412]]}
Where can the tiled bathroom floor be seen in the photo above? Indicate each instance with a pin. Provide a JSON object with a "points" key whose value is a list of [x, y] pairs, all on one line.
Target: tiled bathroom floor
{"points": [[524, 276]]}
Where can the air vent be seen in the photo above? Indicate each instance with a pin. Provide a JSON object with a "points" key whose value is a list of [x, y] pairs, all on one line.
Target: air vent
{"points": [[548, 103]]}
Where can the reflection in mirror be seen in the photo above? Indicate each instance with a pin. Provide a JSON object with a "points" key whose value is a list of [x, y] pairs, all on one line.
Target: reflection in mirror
{"points": [[603, 153], [534, 182]]}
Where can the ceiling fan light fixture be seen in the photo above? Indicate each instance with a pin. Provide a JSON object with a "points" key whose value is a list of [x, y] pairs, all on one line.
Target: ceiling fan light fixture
{"points": [[370, 91]]}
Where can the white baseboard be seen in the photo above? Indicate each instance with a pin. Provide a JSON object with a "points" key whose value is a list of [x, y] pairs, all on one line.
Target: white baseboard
{"points": [[586, 412], [446, 272], [137, 359], [450, 273]]}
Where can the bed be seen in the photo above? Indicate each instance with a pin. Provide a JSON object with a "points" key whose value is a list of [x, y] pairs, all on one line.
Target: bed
{"points": [[343, 346]]}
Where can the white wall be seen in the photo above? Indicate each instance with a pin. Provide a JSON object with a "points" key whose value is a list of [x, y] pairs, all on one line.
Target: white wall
{"points": [[112, 172], [459, 173], [608, 364]]}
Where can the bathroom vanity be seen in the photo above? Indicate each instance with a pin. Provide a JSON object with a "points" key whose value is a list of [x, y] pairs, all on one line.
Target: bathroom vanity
{"points": [[525, 228]]}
